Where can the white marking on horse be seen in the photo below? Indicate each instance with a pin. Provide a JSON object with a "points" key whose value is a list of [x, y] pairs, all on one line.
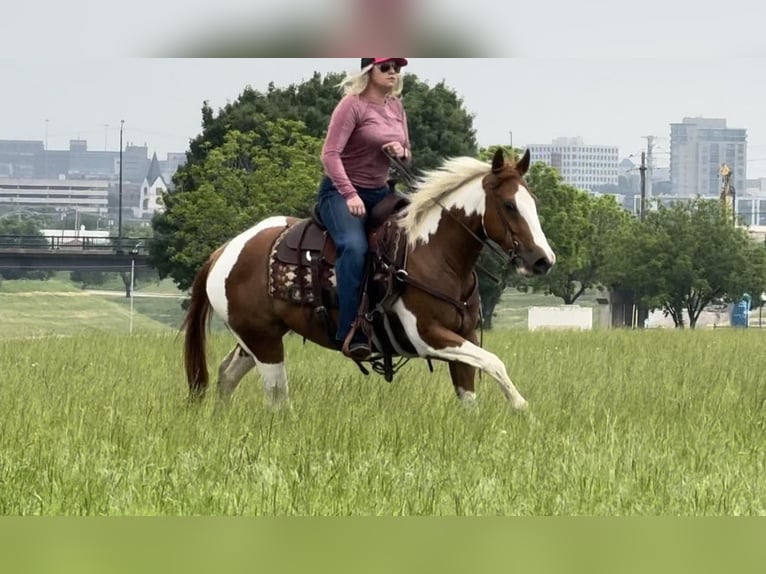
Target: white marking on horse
{"points": [[274, 381], [527, 209], [456, 184], [470, 198], [216, 280], [467, 353]]}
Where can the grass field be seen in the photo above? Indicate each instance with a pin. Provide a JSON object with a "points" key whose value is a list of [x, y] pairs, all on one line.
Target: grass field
{"points": [[628, 422], [60, 308]]}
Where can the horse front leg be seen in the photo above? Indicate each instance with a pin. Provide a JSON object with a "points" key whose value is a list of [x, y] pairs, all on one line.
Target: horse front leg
{"points": [[450, 346]]}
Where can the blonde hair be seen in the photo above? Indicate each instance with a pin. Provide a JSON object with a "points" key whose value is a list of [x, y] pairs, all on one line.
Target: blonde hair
{"points": [[355, 83]]}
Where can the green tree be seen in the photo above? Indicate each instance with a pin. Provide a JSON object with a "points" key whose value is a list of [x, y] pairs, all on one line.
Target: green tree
{"points": [[310, 102], [249, 177], [88, 278], [606, 219], [244, 151], [29, 229], [438, 123], [685, 256]]}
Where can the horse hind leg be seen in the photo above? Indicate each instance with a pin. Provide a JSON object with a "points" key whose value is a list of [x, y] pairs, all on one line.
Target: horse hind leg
{"points": [[274, 383], [267, 353], [233, 368]]}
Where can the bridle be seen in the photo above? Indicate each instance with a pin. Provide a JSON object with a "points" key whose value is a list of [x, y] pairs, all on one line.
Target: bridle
{"points": [[505, 258]]}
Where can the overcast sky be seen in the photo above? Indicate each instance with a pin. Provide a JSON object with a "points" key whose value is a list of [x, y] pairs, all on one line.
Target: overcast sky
{"points": [[607, 101], [608, 71]]}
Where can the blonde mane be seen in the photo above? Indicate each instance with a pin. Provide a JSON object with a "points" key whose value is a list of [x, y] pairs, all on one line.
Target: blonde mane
{"points": [[436, 184]]}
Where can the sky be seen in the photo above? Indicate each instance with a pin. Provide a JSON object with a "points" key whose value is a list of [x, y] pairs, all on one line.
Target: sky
{"points": [[605, 101], [511, 28], [609, 72]]}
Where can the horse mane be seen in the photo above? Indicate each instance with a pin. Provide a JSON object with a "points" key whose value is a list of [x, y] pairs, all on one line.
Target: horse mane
{"points": [[436, 184]]}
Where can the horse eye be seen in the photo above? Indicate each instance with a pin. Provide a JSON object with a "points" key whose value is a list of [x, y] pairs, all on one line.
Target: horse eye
{"points": [[510, 206]]}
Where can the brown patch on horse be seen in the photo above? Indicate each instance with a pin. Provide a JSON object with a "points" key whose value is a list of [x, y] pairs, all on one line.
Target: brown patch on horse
{"points": [[249, 312]]}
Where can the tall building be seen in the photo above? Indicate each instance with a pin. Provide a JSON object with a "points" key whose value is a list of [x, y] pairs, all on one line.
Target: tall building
{"points": [[698, 148], [580, 165]]}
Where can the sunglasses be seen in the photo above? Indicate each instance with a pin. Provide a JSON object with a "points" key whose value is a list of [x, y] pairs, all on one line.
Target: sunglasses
{"points": [[385, 67]]}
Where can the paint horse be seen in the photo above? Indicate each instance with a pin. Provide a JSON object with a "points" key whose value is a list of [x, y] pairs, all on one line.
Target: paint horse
{"points": [[433, 309]]}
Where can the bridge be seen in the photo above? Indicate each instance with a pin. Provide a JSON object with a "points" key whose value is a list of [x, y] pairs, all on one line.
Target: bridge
{"points": [[67, 253]]}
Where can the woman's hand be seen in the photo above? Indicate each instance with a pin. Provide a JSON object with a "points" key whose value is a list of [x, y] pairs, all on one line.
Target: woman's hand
{"points": [[355, 206], [394, 149]]}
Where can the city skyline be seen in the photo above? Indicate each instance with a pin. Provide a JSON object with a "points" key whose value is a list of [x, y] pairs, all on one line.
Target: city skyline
{"points": [[605, 102]]}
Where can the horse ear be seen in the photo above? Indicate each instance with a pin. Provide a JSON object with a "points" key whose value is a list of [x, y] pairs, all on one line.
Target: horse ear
{"points": [[498, 161], [522, 166]]}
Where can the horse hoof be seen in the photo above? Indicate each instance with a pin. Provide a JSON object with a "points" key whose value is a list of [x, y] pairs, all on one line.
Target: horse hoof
{"points": [[521, 405]]}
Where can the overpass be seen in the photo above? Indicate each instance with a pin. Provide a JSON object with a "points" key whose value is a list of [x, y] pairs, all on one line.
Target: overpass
{"points": [[66, 254]]}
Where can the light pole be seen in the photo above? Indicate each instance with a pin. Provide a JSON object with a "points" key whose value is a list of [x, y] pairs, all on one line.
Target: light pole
{"points": [[119, 214]]}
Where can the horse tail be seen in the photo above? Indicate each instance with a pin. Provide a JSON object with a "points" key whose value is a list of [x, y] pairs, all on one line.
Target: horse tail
{"points": [[195, 324]]}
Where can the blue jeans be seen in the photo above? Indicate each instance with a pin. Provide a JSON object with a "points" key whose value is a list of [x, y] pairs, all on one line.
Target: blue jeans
{"points": [[349, 234]]}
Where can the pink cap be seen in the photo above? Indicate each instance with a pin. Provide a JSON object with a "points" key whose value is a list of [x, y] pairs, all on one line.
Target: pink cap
{"points": [[367, 61]]}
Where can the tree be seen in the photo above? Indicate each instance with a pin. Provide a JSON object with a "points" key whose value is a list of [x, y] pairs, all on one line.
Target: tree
{"points": [[88, 278], [439, 126], [27, 227], [606, 219], [249, 177], [311, 103], [236, 170], [685, 256]]}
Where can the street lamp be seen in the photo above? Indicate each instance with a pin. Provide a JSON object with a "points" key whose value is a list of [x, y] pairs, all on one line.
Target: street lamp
{"points": [[119, 214]]}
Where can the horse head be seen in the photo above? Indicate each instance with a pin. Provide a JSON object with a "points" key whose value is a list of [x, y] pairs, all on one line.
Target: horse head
{"points": [[510, 218]]}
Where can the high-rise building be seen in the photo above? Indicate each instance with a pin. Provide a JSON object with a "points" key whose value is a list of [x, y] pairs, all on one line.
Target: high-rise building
{"points": [[580, 165], [698, 148]]}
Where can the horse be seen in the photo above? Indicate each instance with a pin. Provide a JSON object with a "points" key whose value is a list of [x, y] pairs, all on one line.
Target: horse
{"points": [[430, 308]]}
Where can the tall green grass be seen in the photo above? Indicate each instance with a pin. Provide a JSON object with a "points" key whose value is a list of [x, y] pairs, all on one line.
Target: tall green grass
{"points": [[655, 422]]}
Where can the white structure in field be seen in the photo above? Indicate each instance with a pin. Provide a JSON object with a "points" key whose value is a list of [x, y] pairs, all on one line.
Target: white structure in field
{"points": [[561, 317]]}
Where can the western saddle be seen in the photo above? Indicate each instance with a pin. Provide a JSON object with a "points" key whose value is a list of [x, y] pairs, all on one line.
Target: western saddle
{"points": [[302, 271]]}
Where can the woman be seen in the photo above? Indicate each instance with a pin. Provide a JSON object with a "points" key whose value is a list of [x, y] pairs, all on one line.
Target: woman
{"points": [[367, 126]]}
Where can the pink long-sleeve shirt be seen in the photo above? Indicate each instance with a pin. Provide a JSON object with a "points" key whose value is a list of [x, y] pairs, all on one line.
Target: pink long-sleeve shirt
{"points": [[353, 149]]}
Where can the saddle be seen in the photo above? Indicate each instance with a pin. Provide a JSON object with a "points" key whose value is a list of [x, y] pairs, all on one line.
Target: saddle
{"points": [[302, 264], [310, 235]]}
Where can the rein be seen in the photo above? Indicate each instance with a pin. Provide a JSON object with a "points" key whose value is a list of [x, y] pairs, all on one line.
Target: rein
{"points": [[505, 259]]}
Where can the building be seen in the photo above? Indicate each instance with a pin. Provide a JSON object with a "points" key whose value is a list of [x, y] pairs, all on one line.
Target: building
{"points": [[28, 159], [152, 189], [41, 195], [751, 205], [37, 180], [582, 166], [698, 148]]}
